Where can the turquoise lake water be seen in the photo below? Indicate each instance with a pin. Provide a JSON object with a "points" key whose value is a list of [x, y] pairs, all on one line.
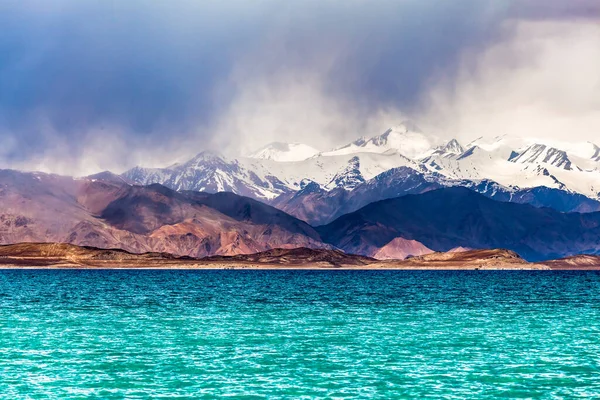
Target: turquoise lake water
{"points": [[293, 334]]}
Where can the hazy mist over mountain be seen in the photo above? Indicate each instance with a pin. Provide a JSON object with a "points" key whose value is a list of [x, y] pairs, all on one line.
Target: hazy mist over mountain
{"points": [[87, 86]]}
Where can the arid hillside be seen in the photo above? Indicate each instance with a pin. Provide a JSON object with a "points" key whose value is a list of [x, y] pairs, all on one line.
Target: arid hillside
{"points": [[62, 255], [111, 213]]}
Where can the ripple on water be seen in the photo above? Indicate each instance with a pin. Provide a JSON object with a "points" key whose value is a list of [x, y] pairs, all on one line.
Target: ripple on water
{"points": [[346, 334]]}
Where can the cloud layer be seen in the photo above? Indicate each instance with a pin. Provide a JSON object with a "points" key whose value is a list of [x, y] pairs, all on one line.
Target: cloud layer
{"points": [[543, 82], [90, 85]]}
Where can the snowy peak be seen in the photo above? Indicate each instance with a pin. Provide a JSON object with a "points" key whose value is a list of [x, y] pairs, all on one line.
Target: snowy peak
{"points": [[349, 177], [578, 153], [405, 138], [210, 172], [284, 152], [201, 159], [540, 153], [452, 148], [286, 168], [576, 150]]}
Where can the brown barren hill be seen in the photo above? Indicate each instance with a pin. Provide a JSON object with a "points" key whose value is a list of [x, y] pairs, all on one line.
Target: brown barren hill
{"points": [[400, 248], [580, 262], [108, 212], [60, 255], [300, 256], [471, 259], [65, 255]]}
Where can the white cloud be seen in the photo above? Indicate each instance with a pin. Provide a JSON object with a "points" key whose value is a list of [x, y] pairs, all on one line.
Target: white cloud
{"points": [[294, 106], [542, 82]]}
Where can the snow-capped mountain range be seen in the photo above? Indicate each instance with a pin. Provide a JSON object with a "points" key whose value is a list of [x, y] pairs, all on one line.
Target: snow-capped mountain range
{"points": [[405, 138], [277, 169], [524, 163]]}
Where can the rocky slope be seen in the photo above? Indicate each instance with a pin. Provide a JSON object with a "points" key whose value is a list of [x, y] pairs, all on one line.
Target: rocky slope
{"points": [[299, 256], [60, 255], [67, 251], [114, 214], [319, 206], [578, 262], [447, 218]]}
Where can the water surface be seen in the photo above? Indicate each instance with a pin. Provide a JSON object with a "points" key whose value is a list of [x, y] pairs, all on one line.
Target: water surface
{"points": [[340, 334]]}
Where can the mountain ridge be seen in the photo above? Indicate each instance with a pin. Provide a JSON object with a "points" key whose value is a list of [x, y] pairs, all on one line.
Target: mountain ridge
{"points": [[109, 214], [515, 164], [113, 214], [451, 217]]}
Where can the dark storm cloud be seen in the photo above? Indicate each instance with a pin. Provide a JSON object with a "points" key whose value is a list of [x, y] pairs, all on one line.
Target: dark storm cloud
{"points": [[161, 72], [385, 51], [142, 66]]}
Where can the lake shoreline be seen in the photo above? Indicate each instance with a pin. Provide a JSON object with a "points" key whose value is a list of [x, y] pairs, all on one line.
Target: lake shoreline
{"points": [[308, 267], [72, 257]]}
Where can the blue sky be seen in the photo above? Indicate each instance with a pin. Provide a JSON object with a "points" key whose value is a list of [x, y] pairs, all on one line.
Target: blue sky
{"points": [[88, 85]]}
